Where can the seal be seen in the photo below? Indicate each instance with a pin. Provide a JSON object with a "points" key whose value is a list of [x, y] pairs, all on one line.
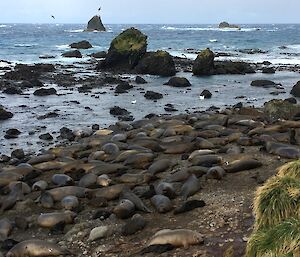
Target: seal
{"points": [[15, 195], [46, 200], [60, 192], [190, 187], [216, 172], [139, 161], [48, 220], [40, 185], [41, 158], [24, 187], [159, 166], [177, 238], [103, 180], [178, 176], [35, 247], [5, 228], [139, 178], [206, 160], [189, 206], [62, 180], [125, 209], [162, 203], [110, 149], [139, 205], [135, 224], [241, 165], [88, 180], [165, 188], [109, 193], [70, 202]]}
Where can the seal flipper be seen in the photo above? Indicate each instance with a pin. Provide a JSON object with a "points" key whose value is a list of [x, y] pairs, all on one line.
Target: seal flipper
{"points": [[158, 249]]}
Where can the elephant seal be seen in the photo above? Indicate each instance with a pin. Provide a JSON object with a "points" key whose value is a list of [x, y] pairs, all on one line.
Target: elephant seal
{"points": [[283, 150], [165, 188], [176, 237], [206, 160], [46, 200], [48, 220], [135, 224], [15, 195], [124, 209], [40, 185], [103, 180], [5, 228], [199, 153], [88, 180], [60, 192], [24, 187], [70, 202], [162, 203], [190, 187], [139, 160], [159, 166], [110, 149], [140, 178], [189, 206], [62, 180], [178, 176], [35, 247], [216, 172], [139, 205], [41, 158], [241, 165]]}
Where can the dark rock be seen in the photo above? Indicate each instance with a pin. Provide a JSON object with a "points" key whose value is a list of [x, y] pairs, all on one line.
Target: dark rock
{"points": [[280, 109], [238, 105], [204, 63], [48, 115], [46, 137], [178, 82], [4, 115], [31, 83], [101, 214], [12, 133], [85, 89], [95, 23], [263, 83], [206, 94], [253, 51], [66, 133], [123, 87], [229, 67], [18, 154], [12, 91], [7, 244], [268, 70], [45, 92], [157, 63], [296, 90], [151, 95], [118, 111], [125, 50], [291, 100], [158, 249], [99, 55], [267, 63], [4, 158], [81, 45], [95, 127], [140, 80], [46, 56], [226, 25], [72, 54]]}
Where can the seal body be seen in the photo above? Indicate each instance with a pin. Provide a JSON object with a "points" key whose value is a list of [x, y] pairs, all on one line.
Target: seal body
{"points": [[162, 203]]}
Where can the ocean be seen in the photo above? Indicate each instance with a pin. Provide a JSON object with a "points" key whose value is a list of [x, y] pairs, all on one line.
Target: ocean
{"points": [[25, 43], [277, 43]]}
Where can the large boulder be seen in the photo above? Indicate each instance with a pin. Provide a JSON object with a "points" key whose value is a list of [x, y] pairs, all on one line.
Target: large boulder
{"points": [[45, 91], [296, 90], [151, 95], [157, 63], [126, 50], [280, 109], [204, 63], [99, 55], [4, 115], [81, 45], [95, 24], [178, 82], [229, 67], [72, 54], [265, 83], [226, 25]]}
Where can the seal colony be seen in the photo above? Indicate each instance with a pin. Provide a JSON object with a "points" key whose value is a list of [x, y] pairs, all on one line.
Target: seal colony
{"points": [[182, 184]]}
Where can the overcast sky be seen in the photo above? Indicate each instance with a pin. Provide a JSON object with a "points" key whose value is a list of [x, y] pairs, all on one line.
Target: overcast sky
{"points": [[154, 11]]}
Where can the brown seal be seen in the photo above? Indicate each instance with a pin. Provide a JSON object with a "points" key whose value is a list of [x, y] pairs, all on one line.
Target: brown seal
{"points": [[162, 203], [60, 192], [190, 187], [159, 166], [125, 209], [48, 220], [243, 164]]}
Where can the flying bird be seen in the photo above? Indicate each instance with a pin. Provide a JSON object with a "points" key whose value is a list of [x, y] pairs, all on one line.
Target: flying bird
{"points": [[52, 16], [99, 9]]}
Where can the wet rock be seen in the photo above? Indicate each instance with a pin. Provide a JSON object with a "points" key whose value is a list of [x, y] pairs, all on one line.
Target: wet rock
{"points": [[280, 109], [125, 50], [95, 24], [268, 70], [48, 115], [12, 133], [47, 56], [81, 45], [123, 87], [157, 63], [226, 25], [229, 67], [178, 82], [72, 54], [46, 137], [296, 90], [151, 95], [291, 100], [140, 80], [118, 111], [206, 94], [18, 154], [45, 92], [4, 115], [31, 84], [12, 91], [263, 83], [204, 63], [99, 55], [66, 133]]}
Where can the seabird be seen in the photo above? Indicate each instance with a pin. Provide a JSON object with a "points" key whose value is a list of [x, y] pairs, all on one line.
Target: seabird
{"points": [[52, 16], [99, 9]]}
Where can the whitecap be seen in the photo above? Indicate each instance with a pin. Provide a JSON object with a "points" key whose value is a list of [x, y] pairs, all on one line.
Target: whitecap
{"points": [[74, 30], [213, 40], [209, 29], [25, 45], [3, 26], [62, 46]]}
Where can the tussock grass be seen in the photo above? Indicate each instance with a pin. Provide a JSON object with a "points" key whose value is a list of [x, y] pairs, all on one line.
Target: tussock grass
{"points": [[291, 169], [277, 200], [282, 240]]}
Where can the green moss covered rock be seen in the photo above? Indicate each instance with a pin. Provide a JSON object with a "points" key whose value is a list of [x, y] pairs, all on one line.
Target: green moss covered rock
{"points": [[126, 50], [204, 63], [280, 109], [157, 63]]}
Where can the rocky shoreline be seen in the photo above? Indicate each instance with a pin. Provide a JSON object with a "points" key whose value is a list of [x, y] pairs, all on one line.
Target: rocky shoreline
{"points": [[107, 191]]}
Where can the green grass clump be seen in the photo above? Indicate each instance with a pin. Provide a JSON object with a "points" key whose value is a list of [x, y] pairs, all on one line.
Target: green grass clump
{"points": [[282, 240], [276, 201], [291, 169]]}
